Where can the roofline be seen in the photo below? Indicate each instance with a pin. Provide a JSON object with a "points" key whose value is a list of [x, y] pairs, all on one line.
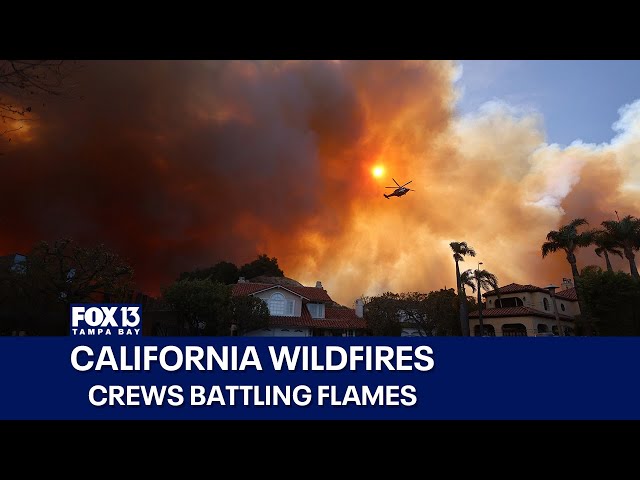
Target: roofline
{"points": [[522, 290], [534, 313], [540, 289], [278, 286]]}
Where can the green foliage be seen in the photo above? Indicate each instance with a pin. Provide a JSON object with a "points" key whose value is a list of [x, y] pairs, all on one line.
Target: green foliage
{"points": [[441, 309], [263, 265], [612, 299], [66, 272], [567, 238], [383, 315], [460, 250], [35, 297], [248, 313], [222, 272], [487, 280], [204, 306], [433, 313], [228, 273], [626, 234]]}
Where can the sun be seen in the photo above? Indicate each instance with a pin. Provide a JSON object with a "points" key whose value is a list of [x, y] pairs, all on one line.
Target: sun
{"points": [[377, 171]]}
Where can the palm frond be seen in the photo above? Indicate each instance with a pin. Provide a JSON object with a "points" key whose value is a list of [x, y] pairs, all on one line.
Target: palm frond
{"points": [[549, 247], [467, 279], [488, 281], [553, 236], [584, 239], [462, 249], [576, 222], [615, 251]]}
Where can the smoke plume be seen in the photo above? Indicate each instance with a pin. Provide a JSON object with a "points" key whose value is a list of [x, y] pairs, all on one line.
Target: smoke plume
{"points": [[181, 164]]}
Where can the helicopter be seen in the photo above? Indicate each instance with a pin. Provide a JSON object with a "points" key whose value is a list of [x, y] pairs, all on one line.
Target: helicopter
{"points": [[399, 190]]}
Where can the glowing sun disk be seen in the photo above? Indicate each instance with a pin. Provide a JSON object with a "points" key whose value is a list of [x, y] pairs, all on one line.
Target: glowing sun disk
{"points": [[377, 171]]}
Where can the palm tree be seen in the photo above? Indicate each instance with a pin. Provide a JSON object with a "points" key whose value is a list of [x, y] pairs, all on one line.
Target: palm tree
{"points": [[480, 280], [606, 244], [568, 239], [626, 234], [460, 249]]}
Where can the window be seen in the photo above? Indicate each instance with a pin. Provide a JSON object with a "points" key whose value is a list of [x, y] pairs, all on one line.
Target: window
{"points": [[514, 330], [277, 304], [509, 302], [562, 307], [316, 310], [280, 306], [542, 328], [545, 302]]}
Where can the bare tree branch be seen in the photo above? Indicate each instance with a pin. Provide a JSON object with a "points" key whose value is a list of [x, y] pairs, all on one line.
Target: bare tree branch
{"points": [[24, 83]]}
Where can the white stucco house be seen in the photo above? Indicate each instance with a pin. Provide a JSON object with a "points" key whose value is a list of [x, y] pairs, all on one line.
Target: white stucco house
{"points": [[526, 310], [299, 311]]}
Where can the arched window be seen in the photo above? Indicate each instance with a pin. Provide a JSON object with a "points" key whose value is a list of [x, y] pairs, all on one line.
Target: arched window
{"points": [[562, 307], [545, 302], [514, 330], [277, 304]]}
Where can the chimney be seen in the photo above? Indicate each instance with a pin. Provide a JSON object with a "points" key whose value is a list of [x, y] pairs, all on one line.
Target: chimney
{"points": [[318, 284], [359, 308], [242, 280]]}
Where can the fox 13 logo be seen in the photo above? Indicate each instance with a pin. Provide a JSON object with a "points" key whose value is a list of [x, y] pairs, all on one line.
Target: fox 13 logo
{"points": [[99, 319]]}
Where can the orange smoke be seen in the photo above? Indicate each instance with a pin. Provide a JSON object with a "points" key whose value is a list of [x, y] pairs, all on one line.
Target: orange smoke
{"points": [[179, 165]]}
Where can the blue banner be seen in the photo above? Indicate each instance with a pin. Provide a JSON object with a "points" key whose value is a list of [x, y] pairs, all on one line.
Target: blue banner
{"points": [[331, 378]]}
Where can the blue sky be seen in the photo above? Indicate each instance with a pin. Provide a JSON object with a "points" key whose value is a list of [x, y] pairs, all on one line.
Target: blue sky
{"points": [[579, 99]]}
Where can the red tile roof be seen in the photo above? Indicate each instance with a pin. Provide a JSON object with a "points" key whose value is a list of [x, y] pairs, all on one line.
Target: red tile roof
{"points": [[310, 293], [516, 312], [568, 294], [515, 288], [334, 318]]}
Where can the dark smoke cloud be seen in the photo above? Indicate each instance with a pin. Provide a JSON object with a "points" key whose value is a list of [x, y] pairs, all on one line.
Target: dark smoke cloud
{"points": [[182, 164]]}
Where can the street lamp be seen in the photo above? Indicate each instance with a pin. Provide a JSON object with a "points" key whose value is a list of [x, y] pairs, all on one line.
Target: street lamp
{"points": [[552, 291], [481, 326]]}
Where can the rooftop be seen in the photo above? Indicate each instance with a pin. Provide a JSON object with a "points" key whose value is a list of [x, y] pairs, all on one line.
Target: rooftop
{"points": [[516, 312], [568, 294]]}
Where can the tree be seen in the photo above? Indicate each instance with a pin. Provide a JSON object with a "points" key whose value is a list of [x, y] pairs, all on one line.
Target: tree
{"points": [[606, 244], [222, 272], [626, 234], [480, 280], [248, 313], [613, 298], [441, 310], [201, 305], [263, 265], [569, 240], [433, 313], [23, 83], [383, 315], [460, 250], [66, 272]]}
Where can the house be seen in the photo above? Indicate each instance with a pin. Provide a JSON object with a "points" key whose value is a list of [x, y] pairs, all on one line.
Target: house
{"points": [[14, 262], [526, 310], [299, 311]]}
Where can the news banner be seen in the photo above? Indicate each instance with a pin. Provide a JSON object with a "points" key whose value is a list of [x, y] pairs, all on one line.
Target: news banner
{"points": [[106, 369]]}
